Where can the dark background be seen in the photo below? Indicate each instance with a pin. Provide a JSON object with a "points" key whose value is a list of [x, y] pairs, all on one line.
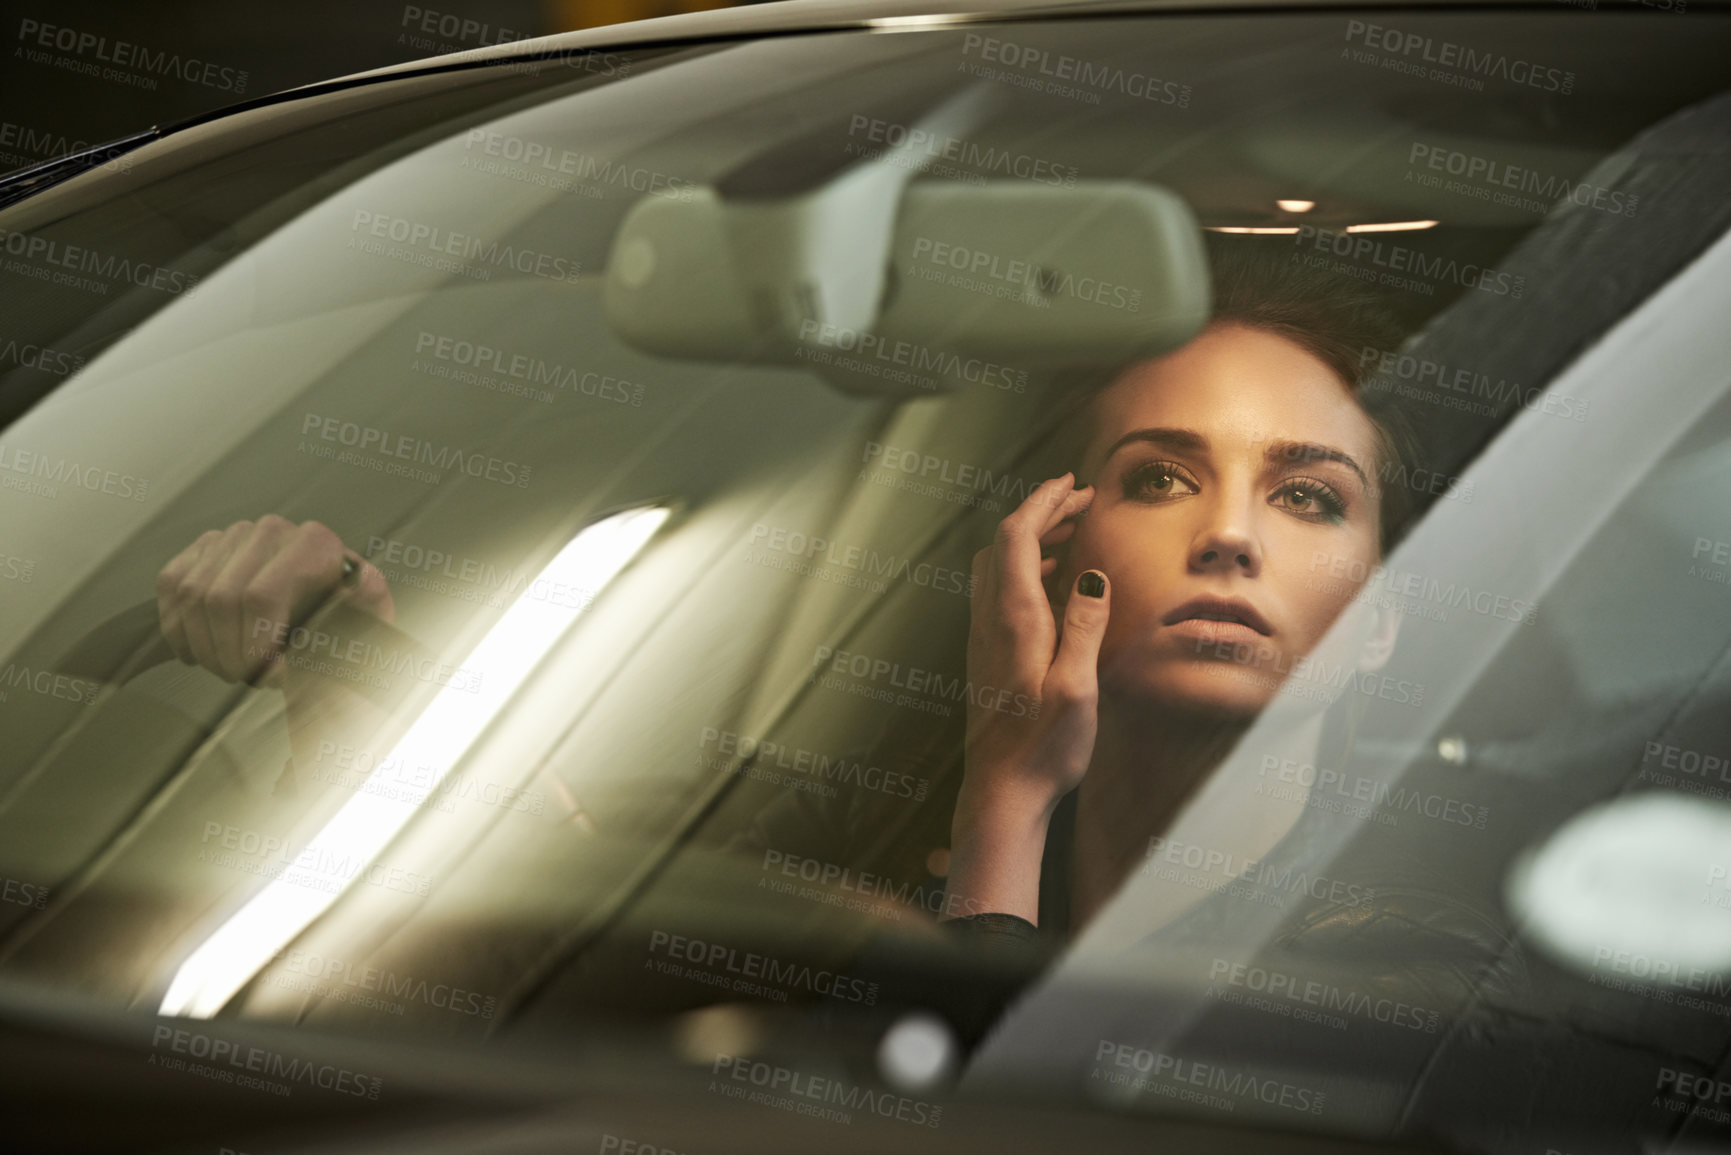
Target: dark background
{"points": [[54, 100]]}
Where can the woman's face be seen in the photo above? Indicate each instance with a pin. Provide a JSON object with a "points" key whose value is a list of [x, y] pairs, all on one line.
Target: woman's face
{"points": [[1234, 478]]}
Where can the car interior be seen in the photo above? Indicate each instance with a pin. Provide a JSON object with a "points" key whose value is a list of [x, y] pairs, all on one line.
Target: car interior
{"points": [[670, 738]]}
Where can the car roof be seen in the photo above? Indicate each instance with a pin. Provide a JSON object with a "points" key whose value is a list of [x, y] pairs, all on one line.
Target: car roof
{"points": [[792, 16]]}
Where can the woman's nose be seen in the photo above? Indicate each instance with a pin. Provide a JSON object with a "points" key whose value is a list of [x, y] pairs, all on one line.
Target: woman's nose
{"points": [[1226, 543]]}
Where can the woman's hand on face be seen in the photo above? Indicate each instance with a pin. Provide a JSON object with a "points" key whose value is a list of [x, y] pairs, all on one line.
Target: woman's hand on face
{"points": [[225, 600], [1026, 762]]}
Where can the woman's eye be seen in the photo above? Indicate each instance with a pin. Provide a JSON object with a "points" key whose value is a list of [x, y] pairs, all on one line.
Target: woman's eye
{"points": [[1312, 499], [1157, 479]]}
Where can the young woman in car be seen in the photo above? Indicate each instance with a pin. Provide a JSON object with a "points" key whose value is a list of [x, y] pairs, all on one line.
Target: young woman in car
{"points": [[1227, 505], [1193, 560]]}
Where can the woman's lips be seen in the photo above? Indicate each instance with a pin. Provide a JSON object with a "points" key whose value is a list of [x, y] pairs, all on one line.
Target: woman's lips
{"points": [[1214, 609], [1205, 630]]}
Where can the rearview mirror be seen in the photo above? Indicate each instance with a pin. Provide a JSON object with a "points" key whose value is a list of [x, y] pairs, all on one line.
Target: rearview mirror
{"points": [[909, 296]]}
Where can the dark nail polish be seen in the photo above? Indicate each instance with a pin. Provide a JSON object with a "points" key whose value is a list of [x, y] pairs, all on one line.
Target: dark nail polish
{"points": [[1092, 584]]}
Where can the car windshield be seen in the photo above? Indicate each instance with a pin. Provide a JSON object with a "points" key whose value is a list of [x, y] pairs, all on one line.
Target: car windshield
{"points": [[664, 401]]}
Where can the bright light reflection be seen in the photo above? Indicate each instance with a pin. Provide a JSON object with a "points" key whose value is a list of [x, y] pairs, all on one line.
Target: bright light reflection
{"points": [[1639, 886], [1392, 227], [1296, 206], [442, 734], [1288, 230], [926, 21], [1267, 230]]}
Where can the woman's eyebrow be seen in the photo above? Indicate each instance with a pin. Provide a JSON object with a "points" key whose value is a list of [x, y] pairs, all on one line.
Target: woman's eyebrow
{"points": [[1172, 437], [1167, 436], [1311, 451]]}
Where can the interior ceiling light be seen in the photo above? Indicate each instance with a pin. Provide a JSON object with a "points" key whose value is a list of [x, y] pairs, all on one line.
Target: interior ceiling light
{"points": [[438, 738], [1296, 206]]}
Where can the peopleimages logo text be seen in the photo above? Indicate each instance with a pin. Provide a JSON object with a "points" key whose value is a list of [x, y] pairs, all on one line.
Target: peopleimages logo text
{"points": [[41, 144], [908, 354], [817, 1088], [528, 368], [916, 680], [1084, 73], [1234, 1085], [719, 957], [80, 259], [1364, 248], [54, 470], [458, 28], [582, 167], [124, 54], [1548, 188], [464, 246], [1250, 872], [983, 158], [1029, 276], [1448, 54], [273, 1064], [367, 438], [1281, 985], [326, 970]]}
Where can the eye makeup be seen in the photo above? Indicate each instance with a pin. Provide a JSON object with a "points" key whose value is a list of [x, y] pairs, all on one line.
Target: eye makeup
{"points": [[1304, 496]]}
